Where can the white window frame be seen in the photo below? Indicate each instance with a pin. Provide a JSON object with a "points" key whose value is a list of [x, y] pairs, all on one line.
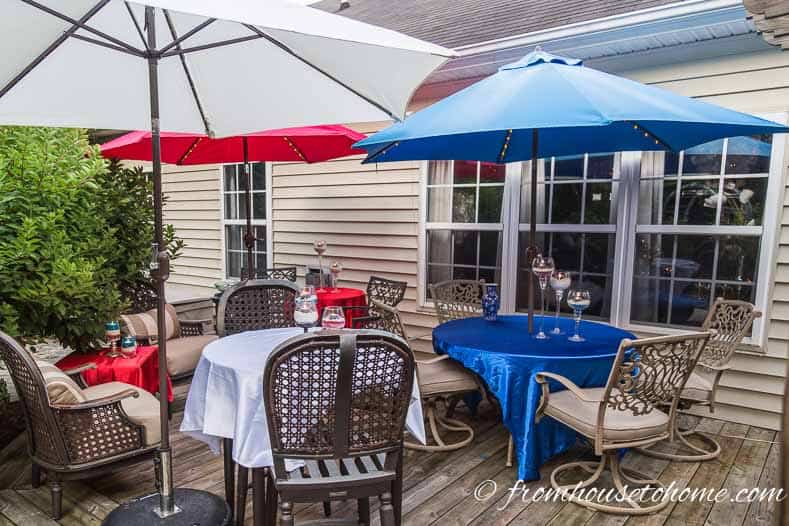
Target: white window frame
{"points": [[625, 230], [268, 222]]}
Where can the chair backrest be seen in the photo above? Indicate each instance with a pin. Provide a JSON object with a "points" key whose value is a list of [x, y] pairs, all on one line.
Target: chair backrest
{"points": [[286, 273], [256, 304], [650, 373], [386, 291], [44, 440], [731, 320], [383, 318], [337, 394], [141, 295], [458, 298]]}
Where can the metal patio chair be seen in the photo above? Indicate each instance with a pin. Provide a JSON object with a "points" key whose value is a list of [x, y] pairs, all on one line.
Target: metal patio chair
{"points": [[458, 298], [286, 273], [256, 304]]}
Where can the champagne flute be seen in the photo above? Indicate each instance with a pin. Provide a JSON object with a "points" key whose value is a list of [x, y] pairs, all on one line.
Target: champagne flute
{"points": [[578, 300], [319, 245], [306, 313], [335, 268], [333, 317], [543, 267], [560, 281]]}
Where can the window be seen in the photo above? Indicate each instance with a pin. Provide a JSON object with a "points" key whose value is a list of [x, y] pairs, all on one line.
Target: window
{"points": [[655, 236], [234, 217]]}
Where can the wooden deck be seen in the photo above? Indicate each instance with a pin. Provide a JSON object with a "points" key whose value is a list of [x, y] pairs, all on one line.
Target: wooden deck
{"points": [[438, 486]]}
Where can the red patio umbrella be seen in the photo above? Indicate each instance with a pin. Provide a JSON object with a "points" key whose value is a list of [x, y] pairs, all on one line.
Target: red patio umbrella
{"points": [[309, 144]]}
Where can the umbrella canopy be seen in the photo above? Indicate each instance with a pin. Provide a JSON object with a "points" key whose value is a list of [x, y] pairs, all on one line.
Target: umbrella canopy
{"points": [[225, 68], [309, 144], [575, 108]]}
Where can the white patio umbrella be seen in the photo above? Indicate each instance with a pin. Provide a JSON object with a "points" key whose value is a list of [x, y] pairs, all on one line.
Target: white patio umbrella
{"points": [[198, 66]]}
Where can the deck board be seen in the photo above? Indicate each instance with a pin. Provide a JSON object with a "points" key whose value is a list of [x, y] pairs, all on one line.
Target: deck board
{"points": [[438, 487]]}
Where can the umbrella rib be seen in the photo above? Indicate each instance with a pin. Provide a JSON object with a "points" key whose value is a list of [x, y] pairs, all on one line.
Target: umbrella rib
{"points": [[637, 126], [136, 25], [188, 73], [295, 148], [212, 45], [52, 47], [382, 151], [178, 40], [323, 72], [98, 42]]}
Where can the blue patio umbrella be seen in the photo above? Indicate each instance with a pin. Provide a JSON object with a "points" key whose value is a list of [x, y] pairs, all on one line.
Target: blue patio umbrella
{"points": [[546, 105]]}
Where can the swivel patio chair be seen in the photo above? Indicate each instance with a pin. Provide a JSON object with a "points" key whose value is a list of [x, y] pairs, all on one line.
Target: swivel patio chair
{"points": [[381, 290], [256, 304], [648, 374], [348, 433], [441, 379], [458, 298], [731, 320], [75, 433], [286, 273]]}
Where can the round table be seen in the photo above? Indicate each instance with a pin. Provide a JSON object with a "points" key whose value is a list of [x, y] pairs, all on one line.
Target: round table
{"points": [[225, 399], [504, 355], [343, 297]]}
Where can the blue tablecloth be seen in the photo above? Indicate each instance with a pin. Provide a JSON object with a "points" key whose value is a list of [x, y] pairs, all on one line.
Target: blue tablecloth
{"points": [[504, 355]]}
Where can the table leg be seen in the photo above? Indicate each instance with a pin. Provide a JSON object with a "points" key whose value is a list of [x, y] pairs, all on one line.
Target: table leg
{"points": [[397, 490], [229, 468]]}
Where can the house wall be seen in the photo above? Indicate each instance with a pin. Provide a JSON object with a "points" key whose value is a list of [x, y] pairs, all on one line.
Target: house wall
{"points": [[369, 215]]}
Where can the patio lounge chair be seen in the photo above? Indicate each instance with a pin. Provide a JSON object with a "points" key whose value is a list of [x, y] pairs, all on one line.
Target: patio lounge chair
{"points": [[352, 447], [731, 320], [256, 304], [75, 433], [647, 374]]}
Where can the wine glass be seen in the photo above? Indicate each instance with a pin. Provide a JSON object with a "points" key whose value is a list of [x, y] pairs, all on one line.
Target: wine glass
{"points": [[333, 317], [578, 300], [319, 245], [335, 268], [542, 266], [309, 292], [560, 281], [306, 313]]}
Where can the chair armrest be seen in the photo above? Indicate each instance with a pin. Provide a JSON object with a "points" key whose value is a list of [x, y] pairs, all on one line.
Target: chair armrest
{"points": [[439, 358], [542, 378], [99, 402], [194, 327], [420, 336], [81, 369]]}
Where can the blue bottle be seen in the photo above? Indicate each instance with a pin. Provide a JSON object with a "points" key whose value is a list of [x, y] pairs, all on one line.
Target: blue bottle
{"points": [[490, 302]]}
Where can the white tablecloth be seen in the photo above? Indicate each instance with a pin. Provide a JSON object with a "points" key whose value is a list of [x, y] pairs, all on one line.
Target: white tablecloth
{"points": [[226, 396]]}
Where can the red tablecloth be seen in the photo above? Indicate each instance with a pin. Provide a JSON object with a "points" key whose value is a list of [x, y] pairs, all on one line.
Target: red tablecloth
{"points": [[141, 371], [344, 297]]}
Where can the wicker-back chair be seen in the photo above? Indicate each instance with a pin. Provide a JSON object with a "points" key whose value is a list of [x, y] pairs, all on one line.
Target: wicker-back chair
{"points": [[379, 290], [256, 304], [141, 295], [80, 439], [457, 298], [647, 376], [730, 321], [337, 401], [286, 273]]}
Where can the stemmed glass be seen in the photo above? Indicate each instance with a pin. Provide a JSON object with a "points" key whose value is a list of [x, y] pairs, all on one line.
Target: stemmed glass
{"points": [[335, 268], [306, 313], [578, 300], [560, 281], [333, 317], [542, 266], [319, 245]]}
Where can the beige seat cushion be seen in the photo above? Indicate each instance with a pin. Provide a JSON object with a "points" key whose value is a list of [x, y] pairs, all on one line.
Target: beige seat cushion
{"points": [[144, 326], [184, 353], [444, 377], [697, 388], [581, 415], [143, 410], [60, 388]]}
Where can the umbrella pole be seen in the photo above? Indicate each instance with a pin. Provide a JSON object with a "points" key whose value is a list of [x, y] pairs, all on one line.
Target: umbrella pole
{"points": [[249, 237], [531, 250]]}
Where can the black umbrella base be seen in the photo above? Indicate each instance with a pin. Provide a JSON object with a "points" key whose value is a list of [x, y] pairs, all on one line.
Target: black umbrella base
{"points": [[198, 508]]}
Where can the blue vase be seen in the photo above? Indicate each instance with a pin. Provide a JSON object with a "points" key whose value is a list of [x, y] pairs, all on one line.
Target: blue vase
{"points": [[490, 302]]}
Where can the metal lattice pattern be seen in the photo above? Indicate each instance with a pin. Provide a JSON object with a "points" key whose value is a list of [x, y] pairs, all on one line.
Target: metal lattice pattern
{"points": [[652, 371], [386, 291], [256, 305], [286, 273], [303, 392], [731, 320], [98, 432], [383, 318], [42, 434], [457, 299], [141, 296]]}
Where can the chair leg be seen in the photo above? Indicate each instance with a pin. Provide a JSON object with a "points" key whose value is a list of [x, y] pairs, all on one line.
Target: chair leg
{"points": [[57, 499], [327, 508], [436, 421], [241, 494], [259, 497], [271, 498], [35, 475], [364, 511], [229, 469], [397, 490], [510, 451], [387, 511], [693, 453], [286, 509]]}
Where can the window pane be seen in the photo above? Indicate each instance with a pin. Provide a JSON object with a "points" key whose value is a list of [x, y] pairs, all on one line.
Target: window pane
{"points": [[695, 257], [738, 258], [464, 205], [598, 253], [260, 238], [259, 205], [600, 290], [598, 204], [490, 198], [744, 201], [565, 248], [491, 173], [231, 181], [439, 172], [261, 262], [670, 163], [656, 200], [490, 249], [234, 263], [231, 207], [258, 176], [438, 246], [438, 204], [542, 203], [650, 300], [704, 159], [465, 172], [437, 274], [566, 204], [698, 202], [601, 166], [735, 292], [749, 155], [464, 247], [464, 273], [569, 167], [234, 237]]}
